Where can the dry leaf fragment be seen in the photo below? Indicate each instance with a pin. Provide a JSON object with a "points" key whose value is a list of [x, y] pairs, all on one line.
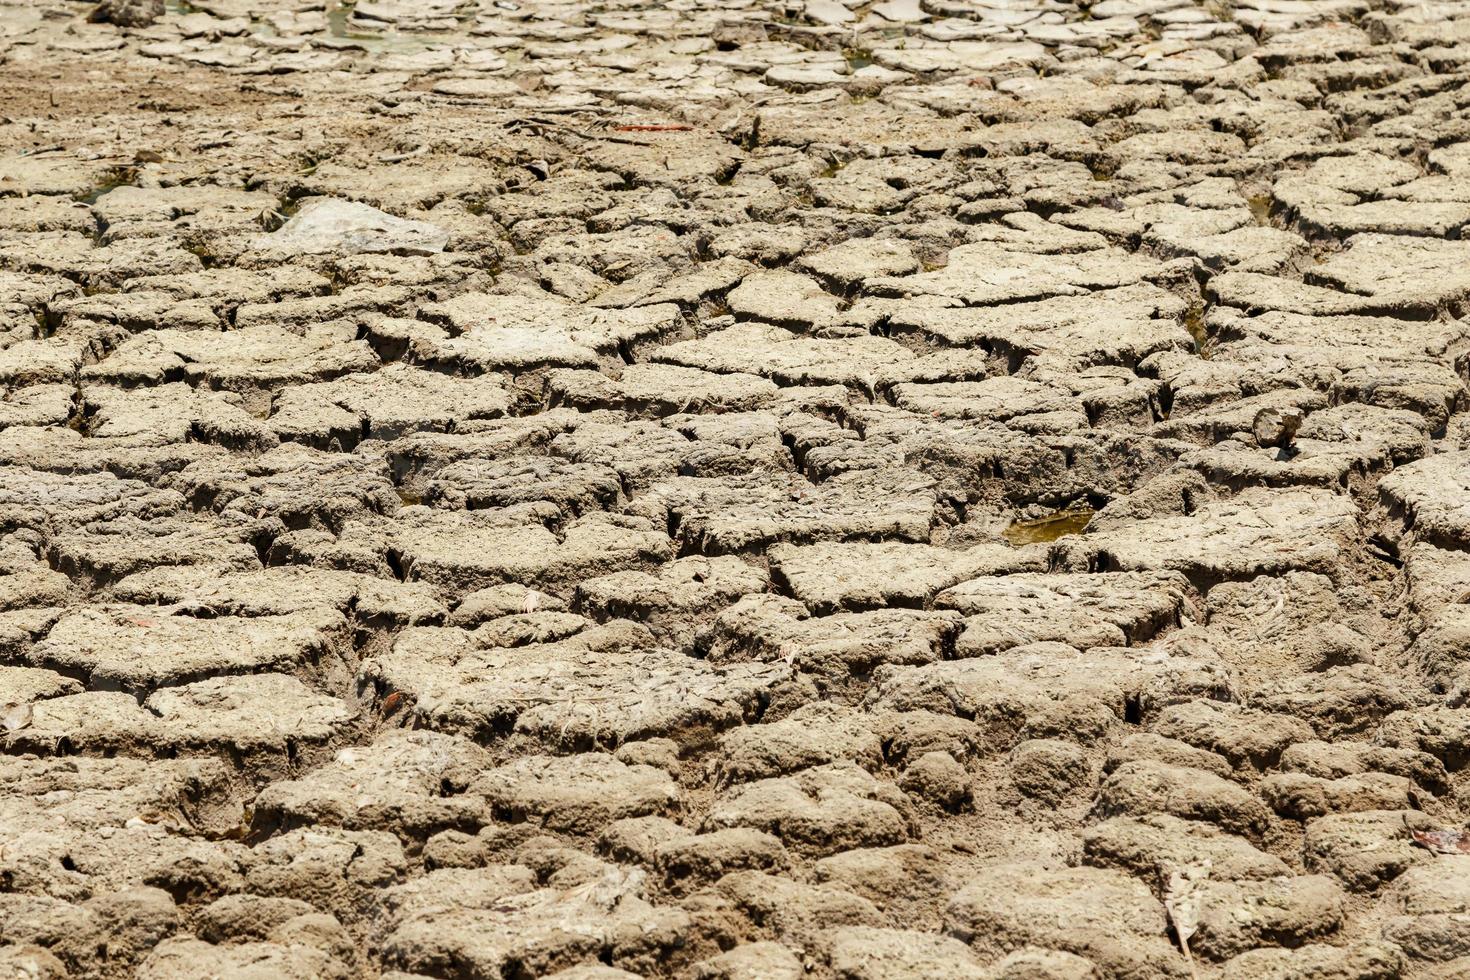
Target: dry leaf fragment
{"points": [[1443, 841], [14, 717], [1182, 902], [270, 219]]}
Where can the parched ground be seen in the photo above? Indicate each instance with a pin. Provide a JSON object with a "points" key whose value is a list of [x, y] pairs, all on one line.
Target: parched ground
{"points": [[734, 489]]}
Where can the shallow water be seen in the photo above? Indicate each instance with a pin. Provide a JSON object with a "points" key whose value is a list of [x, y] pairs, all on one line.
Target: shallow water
{"points": [[1260, 206], [1049, 528]]}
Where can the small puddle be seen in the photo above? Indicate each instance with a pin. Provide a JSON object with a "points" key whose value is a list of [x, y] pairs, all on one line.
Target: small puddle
{"points": [[116, 177], [1260, 206], [389, 39], [1194, 322], [1049, 528], [337, 14], [833, 169]]}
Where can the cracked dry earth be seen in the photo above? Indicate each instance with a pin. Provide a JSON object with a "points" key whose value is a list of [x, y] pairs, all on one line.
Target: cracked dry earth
{"points": [[734, 489]]}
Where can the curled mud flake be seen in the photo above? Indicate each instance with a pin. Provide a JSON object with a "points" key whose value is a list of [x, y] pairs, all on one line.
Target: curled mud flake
{"points": [[14, 717], [1276, 427]]}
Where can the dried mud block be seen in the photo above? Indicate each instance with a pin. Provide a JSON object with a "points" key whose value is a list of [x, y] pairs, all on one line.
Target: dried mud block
{"points": [[888, 954], [854, 576], [1238, 916], [1156, 846], [1103, 916], [1366, 960], [685, 588], [1364, 850], [985, 274], [541, 931], [1302, 797], [578, 794], [770, 907], [1332, 761], [1399, 270], [301, 486], [1254, 533], [751, 960], [903, 879], [812, 735], [1084, 611], [1428, 904], [689, 862], [767, 628], [181, 957], [477, 484], [1140, 788], [749, 513], [659, 390], [458, 552], [1045, 689], [413, 784], [282, 591], [1245, 736], [1121, 326], [792, 359], [522, 333], [106, 551], [40, 500], [79, 827], [143, 648], [818, 811], [108, 932], [1426, 498], [385, 404], [606, 686], [260, 721], [341, 872]]}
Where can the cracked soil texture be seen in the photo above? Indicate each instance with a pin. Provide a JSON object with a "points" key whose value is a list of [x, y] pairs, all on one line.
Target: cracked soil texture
{"points": [[734, 489]]}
